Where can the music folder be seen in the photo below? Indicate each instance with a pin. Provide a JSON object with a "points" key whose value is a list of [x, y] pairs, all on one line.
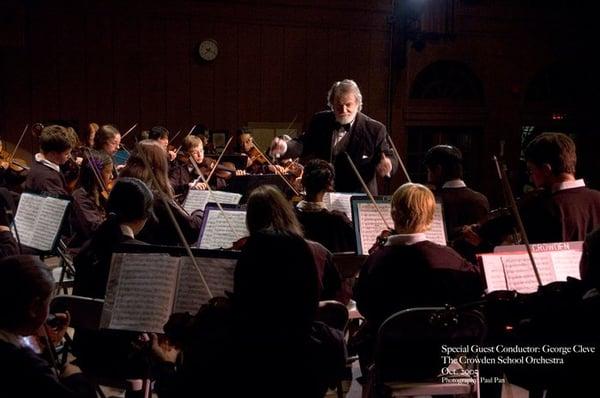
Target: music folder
{"points": [[38, 221], [146, 284], [220, 229]]}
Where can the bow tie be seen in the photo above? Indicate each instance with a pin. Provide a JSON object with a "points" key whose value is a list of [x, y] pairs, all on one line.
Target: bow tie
{"points": [[345, 127]]}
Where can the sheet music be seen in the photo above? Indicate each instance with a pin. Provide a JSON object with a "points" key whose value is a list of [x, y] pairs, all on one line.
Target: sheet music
{"points": [[437, 232], [217, 232], [371, 224], [38, 220], [139, 294], [552, 266], [197, 199], [340, 202], [566, 263], [494, 272], [191, 293]]}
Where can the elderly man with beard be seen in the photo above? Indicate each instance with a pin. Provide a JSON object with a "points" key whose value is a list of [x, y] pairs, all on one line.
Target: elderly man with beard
{"points": [[344, 129]]}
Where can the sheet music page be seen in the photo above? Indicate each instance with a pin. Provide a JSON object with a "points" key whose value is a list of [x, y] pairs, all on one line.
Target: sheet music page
{"points": [[191, 293], [437, 232], [218, 233], [566, 263], [493, 271], [371, 224], [197, 199], [38, 220], [27, 212], [520, 274], [340, 202], [139, 292]]}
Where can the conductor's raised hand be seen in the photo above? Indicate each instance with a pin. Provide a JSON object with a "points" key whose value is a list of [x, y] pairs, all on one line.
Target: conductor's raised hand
{"points": [[384, 167], [278, 147]]}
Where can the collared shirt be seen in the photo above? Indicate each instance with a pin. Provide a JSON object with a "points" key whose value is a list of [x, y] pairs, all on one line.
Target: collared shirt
{"points": [[457, 183], [311, 206], [127, 231], [405, 239], [561, 186], [10, 338], [40, 158]]}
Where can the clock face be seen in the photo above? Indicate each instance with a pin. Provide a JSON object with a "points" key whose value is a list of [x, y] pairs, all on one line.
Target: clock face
{"points": [[208, 50]]}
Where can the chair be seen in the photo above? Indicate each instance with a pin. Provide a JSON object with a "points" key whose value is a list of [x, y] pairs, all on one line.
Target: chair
{"points": [[67, 269], [86, 314], [408, 359], [335, 314]]}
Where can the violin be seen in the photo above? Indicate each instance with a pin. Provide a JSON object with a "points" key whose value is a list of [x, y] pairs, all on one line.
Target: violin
{"points": [[255, 157], [8, 160], [224, 170], [381, 240], [239, 244], [15, 164]]}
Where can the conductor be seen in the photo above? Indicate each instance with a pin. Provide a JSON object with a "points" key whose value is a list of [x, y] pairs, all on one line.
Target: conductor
{"points": [[344, 129]]}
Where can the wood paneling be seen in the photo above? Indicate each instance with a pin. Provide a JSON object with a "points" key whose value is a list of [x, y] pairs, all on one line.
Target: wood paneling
{"points": [[136, 61]]}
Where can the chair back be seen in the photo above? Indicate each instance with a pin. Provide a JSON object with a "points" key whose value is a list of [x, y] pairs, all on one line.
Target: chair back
{"points": [[409, 342], [333, 314], [85, 312]]}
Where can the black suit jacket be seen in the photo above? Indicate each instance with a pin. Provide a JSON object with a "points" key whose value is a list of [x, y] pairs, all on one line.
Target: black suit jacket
{"points": [[367, 141]]}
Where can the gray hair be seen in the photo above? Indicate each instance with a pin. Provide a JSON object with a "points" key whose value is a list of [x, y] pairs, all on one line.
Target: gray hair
{"points": [[343, 87]]}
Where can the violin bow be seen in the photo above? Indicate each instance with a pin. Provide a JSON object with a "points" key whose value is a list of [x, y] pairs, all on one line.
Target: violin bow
{"points": [[397, 155], [364, 185], [174, 221], [186, 136], [210, 192], [515, 212], [129, 131], [218, 159], [175, 136], [88, 155], [277, 171], [14, 151]]}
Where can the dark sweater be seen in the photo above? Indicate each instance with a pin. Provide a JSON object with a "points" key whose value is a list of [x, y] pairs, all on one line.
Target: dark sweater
{"points": [[462, 206], [565, 215], [405, 276], [25, 374], [332, 229], [44, 180]]}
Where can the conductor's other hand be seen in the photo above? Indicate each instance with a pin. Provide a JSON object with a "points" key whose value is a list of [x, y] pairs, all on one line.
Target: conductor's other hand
{"points": [[384, 167], [278, 147]]}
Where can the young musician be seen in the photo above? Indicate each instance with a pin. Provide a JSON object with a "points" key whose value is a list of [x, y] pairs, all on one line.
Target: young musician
{"points": [[160, 229], [182, 173], [565, 209], [128, 207], [463, 207], [161, 134], [45, 176], [268, 208], [89, 199], [107, 139], [332, 229], [26, 287], [268, 327], [410, 271]]}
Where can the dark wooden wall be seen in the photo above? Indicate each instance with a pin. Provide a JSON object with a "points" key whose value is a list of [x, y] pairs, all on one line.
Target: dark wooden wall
{"points": [[135, 61]]}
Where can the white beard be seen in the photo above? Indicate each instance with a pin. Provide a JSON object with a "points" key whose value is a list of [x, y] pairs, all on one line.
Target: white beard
{"points": [[345, 119]]}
